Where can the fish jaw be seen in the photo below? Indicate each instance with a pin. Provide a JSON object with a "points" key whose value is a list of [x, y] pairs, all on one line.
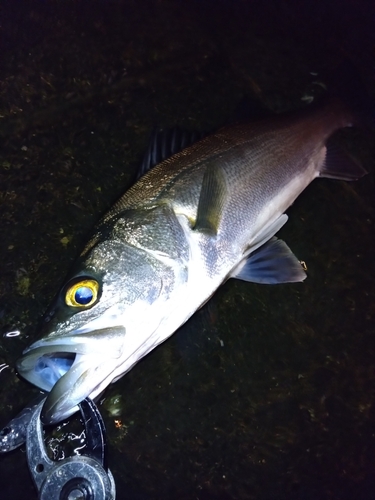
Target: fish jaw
{"points": [[71, 369]]}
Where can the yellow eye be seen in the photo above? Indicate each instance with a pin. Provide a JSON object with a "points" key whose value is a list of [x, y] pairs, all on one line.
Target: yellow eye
{"points": [[82, 294]]}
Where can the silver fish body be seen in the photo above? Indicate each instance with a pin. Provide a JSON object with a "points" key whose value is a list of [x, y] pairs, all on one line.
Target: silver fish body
{"points": [[198, 218]]}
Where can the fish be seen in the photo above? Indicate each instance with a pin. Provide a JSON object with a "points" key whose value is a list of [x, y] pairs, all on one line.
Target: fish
{"points": [[208, 213]]}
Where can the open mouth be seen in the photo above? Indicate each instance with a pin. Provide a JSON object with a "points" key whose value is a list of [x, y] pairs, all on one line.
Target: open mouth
{"points": [[67, 377], [44, 366], [49, 368], [72, 368]]}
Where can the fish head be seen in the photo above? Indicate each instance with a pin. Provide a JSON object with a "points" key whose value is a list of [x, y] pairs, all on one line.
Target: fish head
{"points": [[102, 322]]}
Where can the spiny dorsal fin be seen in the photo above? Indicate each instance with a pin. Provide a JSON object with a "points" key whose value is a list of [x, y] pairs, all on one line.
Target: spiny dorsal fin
{"points": [[164, 144]]}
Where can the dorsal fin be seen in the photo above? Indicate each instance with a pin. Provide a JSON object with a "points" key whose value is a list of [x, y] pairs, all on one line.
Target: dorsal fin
{"points": [[164, 144]]}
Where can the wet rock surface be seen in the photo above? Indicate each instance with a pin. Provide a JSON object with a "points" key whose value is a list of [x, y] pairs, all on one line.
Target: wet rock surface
{"points": [[267, 392]]}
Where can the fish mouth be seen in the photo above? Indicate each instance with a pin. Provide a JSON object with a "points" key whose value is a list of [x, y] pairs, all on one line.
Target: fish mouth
{"points": [[72, 368]]}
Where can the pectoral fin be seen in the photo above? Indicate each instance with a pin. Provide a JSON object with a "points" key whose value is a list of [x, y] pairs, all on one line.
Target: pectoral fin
{"points": [[272, 263], [212, 200]]}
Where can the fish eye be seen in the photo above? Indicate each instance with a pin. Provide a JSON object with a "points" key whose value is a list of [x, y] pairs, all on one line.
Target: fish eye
{"points": [[83, 293]]}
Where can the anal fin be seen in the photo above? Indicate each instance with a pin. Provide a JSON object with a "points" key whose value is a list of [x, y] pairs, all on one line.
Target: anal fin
{"points": [[271, 263], [339, 165]]}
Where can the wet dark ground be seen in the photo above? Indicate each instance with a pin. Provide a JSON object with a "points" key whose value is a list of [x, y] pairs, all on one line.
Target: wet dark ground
{"points": [[267, 392]]}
